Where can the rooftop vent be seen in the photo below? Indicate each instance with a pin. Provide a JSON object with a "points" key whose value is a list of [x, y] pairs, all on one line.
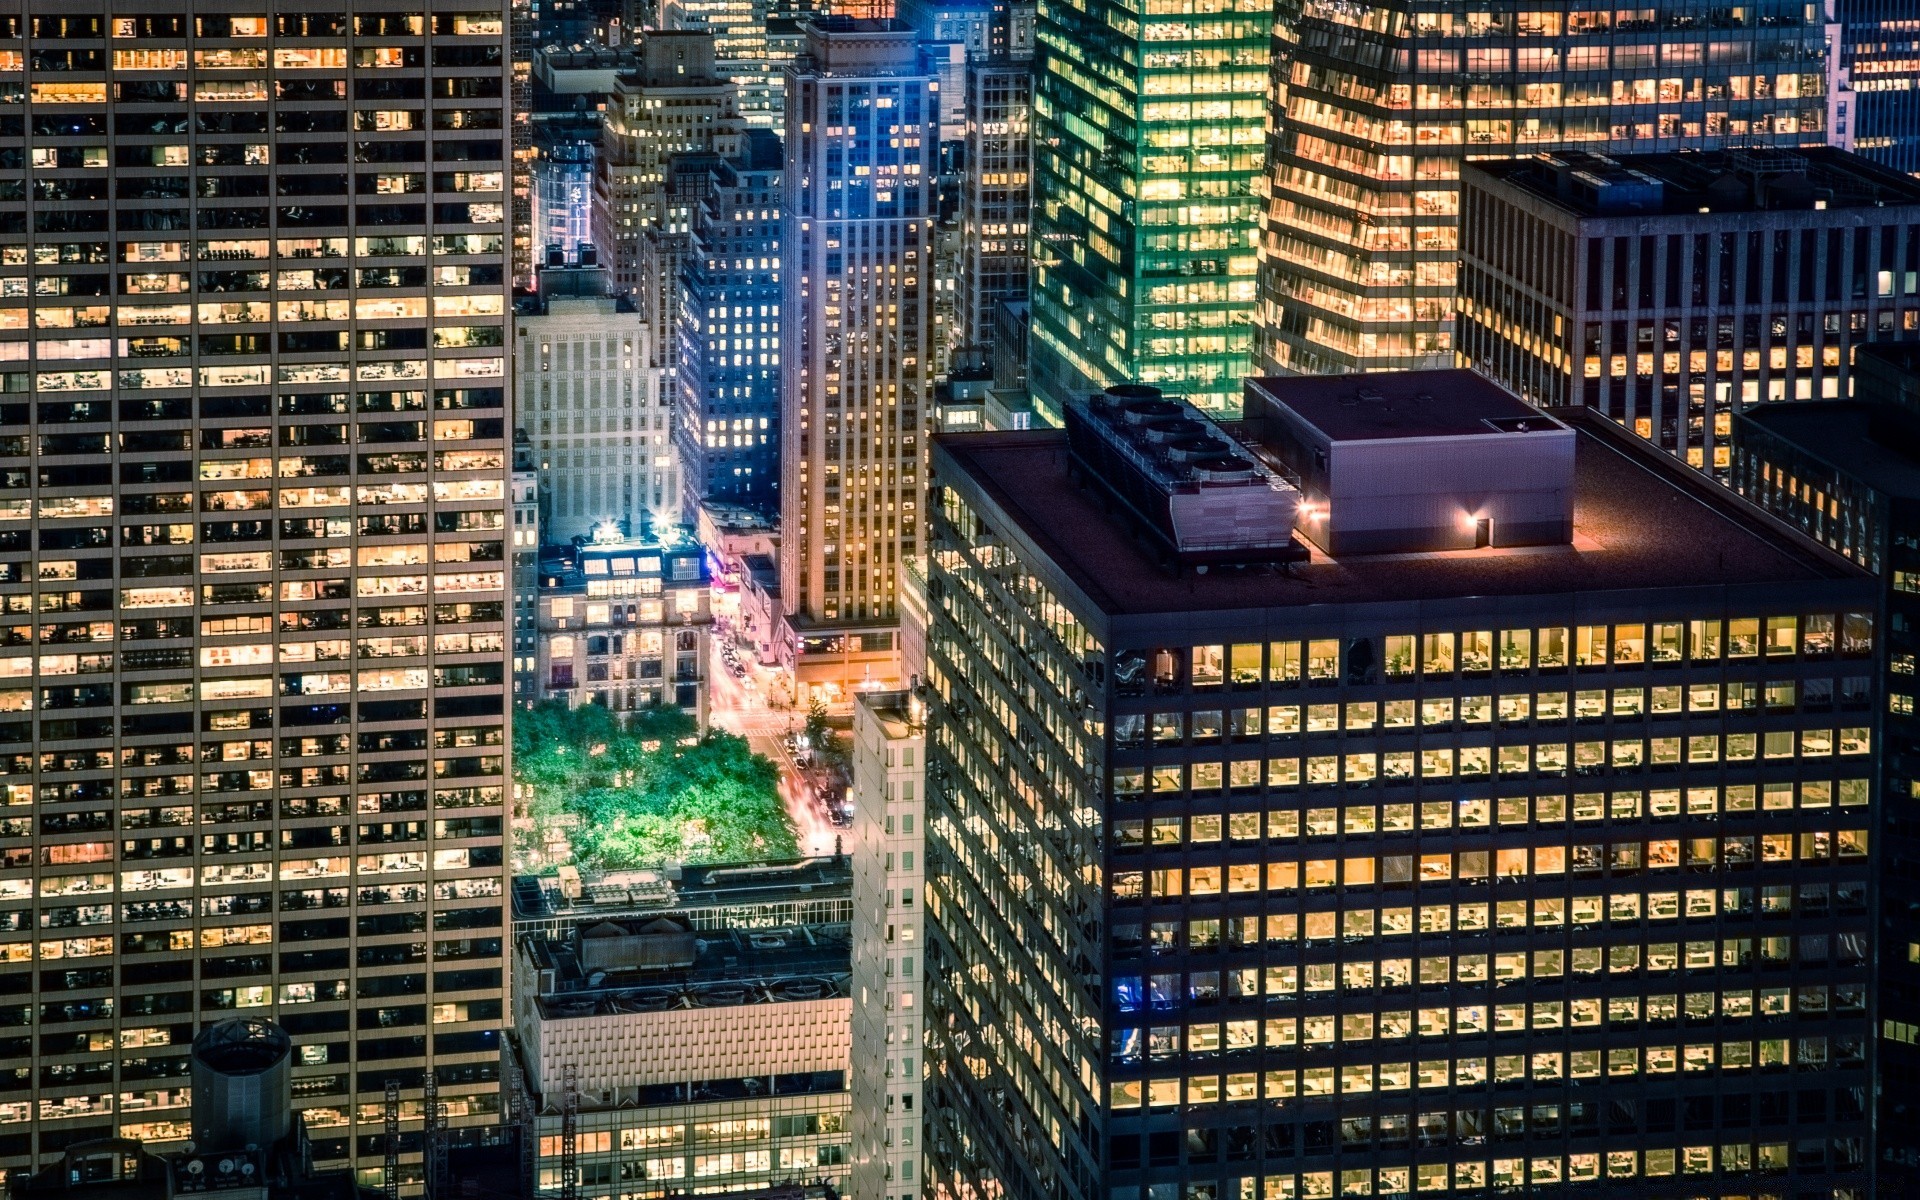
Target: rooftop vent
{"points": [[1195, 491]]}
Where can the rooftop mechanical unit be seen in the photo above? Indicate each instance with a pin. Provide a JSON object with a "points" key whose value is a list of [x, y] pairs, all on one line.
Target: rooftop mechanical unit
{"points": [[1193, 489]]}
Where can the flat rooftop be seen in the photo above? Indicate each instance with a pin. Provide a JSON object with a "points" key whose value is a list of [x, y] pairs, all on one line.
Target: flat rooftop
{"points": [[615, 892], [719, 969], [1872, 443], [1723, 181], [1641, 521], [1405, 404]]}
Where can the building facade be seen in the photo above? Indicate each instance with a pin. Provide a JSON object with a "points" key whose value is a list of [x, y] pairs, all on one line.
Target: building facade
{"points": [[1848, 474], [730, 320], [699, 1021], [1880, 56], [1671, 290], [624, 623], [599, 415], [1377, 105], [1500, 869], [995, 195], [677, 103], [1147, 144], [525, 579], [856, 248], [889, 945], [257, 460]]}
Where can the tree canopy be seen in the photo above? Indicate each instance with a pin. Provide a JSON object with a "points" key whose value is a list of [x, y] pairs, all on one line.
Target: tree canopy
{"points": [[609, 795]]}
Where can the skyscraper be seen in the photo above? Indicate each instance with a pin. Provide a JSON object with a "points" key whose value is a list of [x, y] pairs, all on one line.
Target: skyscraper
{"points": [[1378, 104], [1147, 143], [729, 420], [1348, 868], [255, 757], [996, 190], [856, 248]]}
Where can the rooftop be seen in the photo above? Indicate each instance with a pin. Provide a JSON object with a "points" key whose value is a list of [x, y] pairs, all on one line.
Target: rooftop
{"points": [[618, 892], [1873, 443], [1413, 404], [1721, 181], [1641, 521]]}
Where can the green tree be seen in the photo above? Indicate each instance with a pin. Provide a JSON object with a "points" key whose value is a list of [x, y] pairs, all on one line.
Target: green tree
{"points": [[644, 792]]}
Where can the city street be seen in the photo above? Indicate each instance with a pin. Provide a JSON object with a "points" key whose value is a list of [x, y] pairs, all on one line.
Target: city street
{"points": [[739, 705]]}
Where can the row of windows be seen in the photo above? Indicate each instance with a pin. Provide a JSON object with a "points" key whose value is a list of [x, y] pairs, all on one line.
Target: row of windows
{"points": [[1518, 1174], [1354, 925], [1806, 1053], [1588, 704], [1477, 812], [1480, 866], [1210, 1039], [1364, 768], [1249, 664], [1620, 962]]}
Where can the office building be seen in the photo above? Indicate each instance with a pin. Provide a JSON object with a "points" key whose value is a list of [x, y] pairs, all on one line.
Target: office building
{"points": [[252, 701], [624, 623], [1360, 238], [1880, 61], [743, 51], [1670, 290], [889, 944], [1346, 867], [676, 103], [525, 579], [600, 417], [995, 193], [856, 246], [1147, 143], [729, 421], [1847, 473], [695, 1021]]}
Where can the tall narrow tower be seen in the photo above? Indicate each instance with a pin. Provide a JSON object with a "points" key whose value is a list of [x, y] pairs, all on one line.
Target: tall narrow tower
{"points": [[857, 247], [252, 517]]}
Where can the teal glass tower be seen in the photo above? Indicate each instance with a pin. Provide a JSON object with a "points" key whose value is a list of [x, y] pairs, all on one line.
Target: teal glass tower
{"points": [[1148, 140]]}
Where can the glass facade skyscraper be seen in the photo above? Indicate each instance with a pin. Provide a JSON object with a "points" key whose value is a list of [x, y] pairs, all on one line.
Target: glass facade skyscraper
{"points": [[1147, 140], [253, 286], [1378, 103]]}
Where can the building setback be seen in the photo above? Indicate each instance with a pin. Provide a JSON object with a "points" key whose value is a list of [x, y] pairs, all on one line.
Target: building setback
{"points": [[254, 508], [856, 248], [1380, 103], [1848, 474], [1668, 291], [1510, 868]]}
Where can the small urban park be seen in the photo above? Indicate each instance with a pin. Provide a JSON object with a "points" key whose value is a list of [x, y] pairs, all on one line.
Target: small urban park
{"points": [[603, 793]]}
